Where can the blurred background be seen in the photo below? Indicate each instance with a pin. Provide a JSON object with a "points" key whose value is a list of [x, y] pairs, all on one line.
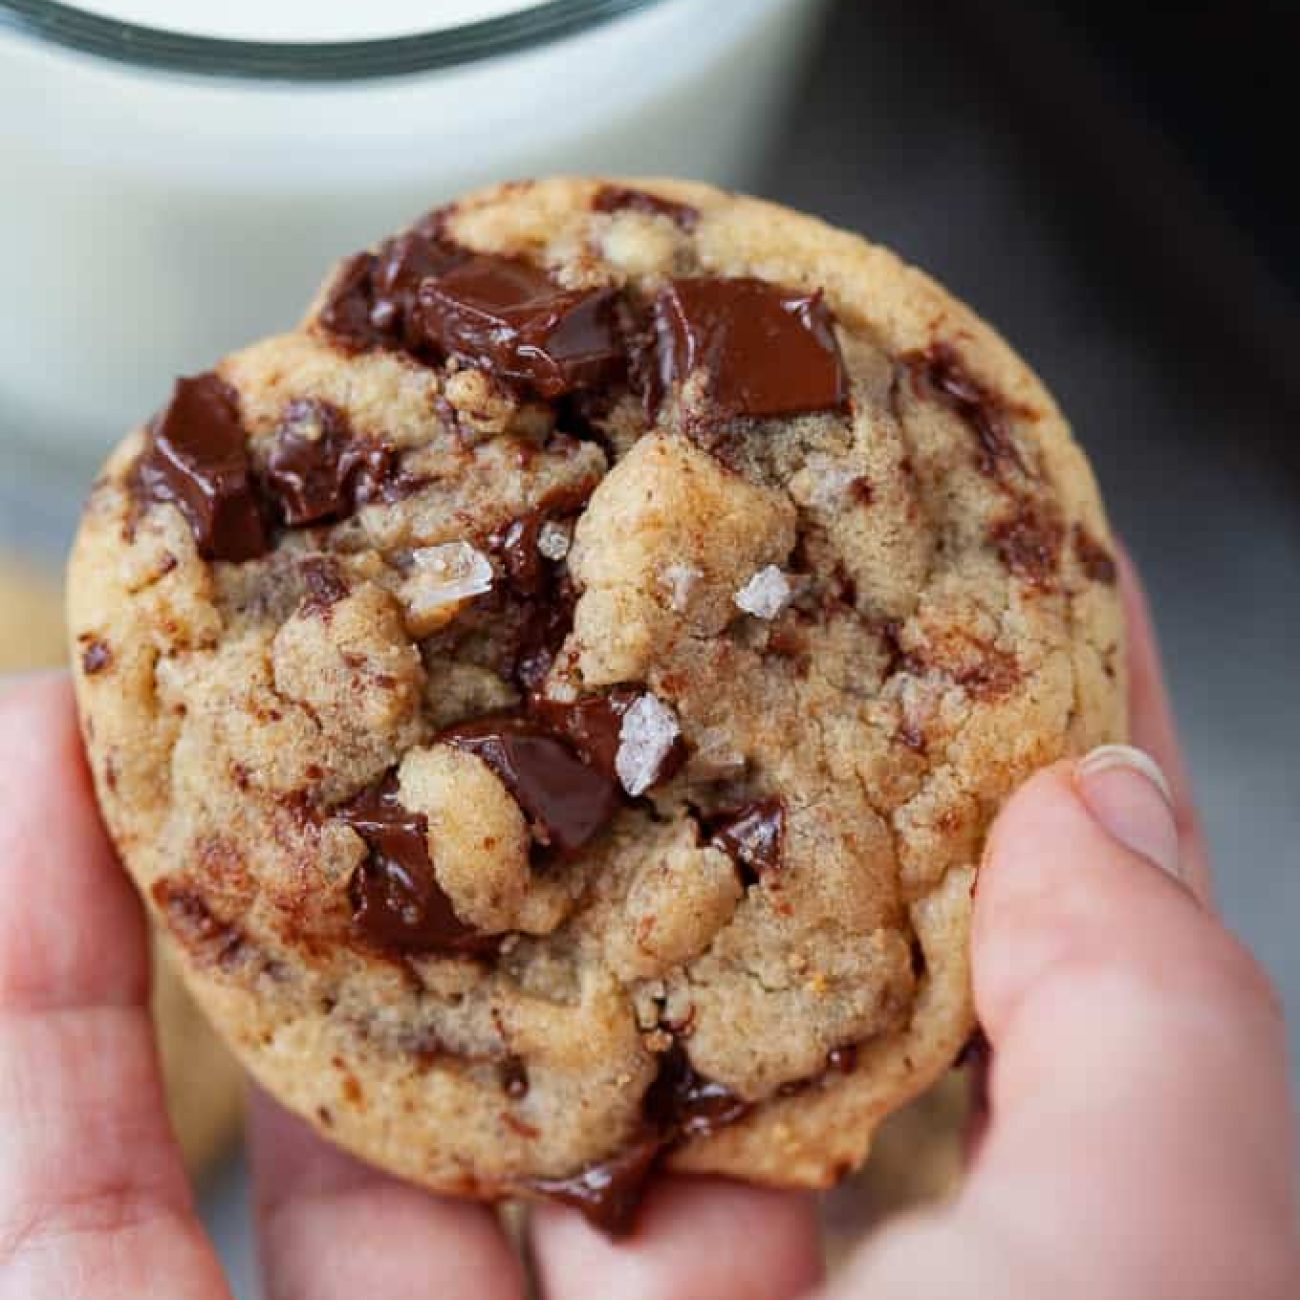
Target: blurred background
{"points": [[1101, 182]]}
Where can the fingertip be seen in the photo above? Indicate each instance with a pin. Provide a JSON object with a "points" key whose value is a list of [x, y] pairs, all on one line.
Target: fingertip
{"points": [[91, 1184], [1087, 953], [1059, 884], [1129, 797], [331, 1225], [72, 930], [1126, 1023], [695, 1238]]}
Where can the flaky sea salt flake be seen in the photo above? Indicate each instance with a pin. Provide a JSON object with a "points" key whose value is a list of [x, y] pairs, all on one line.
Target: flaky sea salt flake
{"points": [[441, 578], [828, 482], [645, 740], [679, 581], [553, 540], [766, 594]]}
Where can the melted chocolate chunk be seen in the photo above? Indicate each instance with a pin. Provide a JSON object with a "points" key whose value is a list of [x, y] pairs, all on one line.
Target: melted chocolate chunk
{"points": [[96, 655], [516, 322], [397, 903], [995, 674], [940, 372], [513, 1074], [566, 802], [753, 836], [765, 351], [609, 1192], [542, 631], [210, 939], [592, 724], [526, 567], [542, 586], [372, 302], [620, 198], [323, 583], [197, 459], [1094, 559], [346, 313], [318, 471], [680, 1103], [401, 267], [843, 1060], [1029, 544]]}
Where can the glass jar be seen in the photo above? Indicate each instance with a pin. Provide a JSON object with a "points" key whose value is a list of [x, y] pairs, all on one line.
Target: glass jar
{"points": [[169, 194]]}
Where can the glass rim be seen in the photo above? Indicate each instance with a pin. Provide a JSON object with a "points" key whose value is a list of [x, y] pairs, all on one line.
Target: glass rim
{"points": [[54, 22]]}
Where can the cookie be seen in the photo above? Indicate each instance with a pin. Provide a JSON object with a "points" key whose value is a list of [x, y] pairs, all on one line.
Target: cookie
{"points": [[555, 697]]}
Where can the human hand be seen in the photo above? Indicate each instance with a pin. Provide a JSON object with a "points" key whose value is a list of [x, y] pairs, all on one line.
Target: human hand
{"points": [[1140, 1143], [93, 1197]]}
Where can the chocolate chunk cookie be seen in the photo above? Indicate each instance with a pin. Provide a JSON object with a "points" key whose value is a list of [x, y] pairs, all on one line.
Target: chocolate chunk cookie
{"points": [[555, 697]]}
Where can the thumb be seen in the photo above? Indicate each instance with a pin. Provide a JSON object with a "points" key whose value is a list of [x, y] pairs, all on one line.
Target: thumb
{"points": [[1139, 1086], [1140, 1142]]}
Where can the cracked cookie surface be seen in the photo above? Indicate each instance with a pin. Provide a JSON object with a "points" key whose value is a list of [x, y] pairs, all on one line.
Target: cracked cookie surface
{"points": [[555, 697]]}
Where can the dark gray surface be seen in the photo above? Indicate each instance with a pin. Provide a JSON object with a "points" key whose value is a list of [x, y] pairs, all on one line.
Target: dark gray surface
{"points": [[1102, 264]]}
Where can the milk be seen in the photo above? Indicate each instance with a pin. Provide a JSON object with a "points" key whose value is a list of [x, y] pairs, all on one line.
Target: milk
{"points": [[151, 221]]}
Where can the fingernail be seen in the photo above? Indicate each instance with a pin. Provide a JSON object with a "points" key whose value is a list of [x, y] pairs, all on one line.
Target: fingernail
{"points": [[1127, 793]]}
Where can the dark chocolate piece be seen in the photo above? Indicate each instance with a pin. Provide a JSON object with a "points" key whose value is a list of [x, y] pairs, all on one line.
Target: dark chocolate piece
{"points": [[609, 1192], [996, 673], [513, 1074], [679, 1104], [843, 1060], [753, 836], [545, 623], [96, 655], [323, 583], [1029, 544], [620, 198], [592, 724], [765, 351], [401, 267], [542, 587], [513, 320], [1094, 559], [197, 459], [346, 313], [526, 567], [941, 372], [372, 301], [397, 903], [318, 471], [210, 939], [566, 802]]}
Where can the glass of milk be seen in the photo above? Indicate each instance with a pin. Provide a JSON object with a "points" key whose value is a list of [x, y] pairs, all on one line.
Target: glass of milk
{"points": [[177, 175]]}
